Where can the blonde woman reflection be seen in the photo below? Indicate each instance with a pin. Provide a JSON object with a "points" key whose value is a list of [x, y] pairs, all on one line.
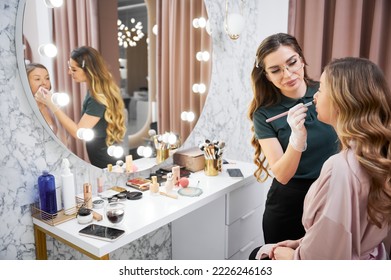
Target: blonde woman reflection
{"points": [[38, 76], [103, 106]]}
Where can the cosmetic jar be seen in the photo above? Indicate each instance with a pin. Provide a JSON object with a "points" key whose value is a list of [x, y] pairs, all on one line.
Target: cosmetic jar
{"points": [[84, 216], [97, 203]]}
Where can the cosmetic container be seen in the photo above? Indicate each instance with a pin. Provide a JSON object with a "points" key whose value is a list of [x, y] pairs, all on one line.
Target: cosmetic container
{"points": [[47, 193], [87, 191], [68, 188], [169, 185], [84, 216], [129, 163], [100, 185], [176, 175], [154, 186]]}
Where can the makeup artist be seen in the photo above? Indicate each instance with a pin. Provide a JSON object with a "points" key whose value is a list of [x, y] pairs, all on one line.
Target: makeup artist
{"points": [[103, 106], [293, 148]]}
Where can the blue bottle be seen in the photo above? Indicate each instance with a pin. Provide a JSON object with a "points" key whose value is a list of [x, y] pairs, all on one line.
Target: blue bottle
{"points": [[47, 194]]}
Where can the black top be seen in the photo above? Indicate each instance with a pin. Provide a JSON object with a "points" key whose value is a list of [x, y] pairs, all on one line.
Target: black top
{"points": [[322, 141]]}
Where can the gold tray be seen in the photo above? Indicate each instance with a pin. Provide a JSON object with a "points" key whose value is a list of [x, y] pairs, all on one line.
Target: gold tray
{"points": [[54, 219]]}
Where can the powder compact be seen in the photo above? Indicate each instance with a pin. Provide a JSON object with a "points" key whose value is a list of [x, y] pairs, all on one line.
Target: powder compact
{"points": [[134, 195]]}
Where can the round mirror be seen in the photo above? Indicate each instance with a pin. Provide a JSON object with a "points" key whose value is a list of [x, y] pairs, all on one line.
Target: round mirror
{"points": [[122, 32]]}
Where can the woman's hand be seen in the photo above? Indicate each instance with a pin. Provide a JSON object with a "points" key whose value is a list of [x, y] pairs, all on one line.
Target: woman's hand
{"points": [[44, 96], [296, 119], [282, 253]]}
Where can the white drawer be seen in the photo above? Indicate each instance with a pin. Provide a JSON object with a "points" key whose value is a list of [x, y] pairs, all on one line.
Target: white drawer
{"points": [[242, 231], [243, 200], [245, 251]]}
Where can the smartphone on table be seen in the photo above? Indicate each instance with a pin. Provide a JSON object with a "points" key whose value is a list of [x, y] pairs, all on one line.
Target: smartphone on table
{"points": [[101, 232], [234, 172]]}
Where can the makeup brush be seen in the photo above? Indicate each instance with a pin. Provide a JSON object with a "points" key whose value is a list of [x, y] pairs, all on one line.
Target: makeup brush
{"points": [[285, 113]]}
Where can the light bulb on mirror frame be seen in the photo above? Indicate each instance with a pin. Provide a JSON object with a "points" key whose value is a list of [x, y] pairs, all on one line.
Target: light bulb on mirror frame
{"points": [[115, 151], [187, 116], [155, 29], [86, 134], [60, 98], [49, 50], [172, 139], [202, 56], [54, 3], [144, 151]]}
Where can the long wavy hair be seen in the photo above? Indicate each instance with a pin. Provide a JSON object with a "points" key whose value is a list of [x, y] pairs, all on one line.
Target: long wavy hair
{"points": [[265, 93], [360, 94], [104, 90]]}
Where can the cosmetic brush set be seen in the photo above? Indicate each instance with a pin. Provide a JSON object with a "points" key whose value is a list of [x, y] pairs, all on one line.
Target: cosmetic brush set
{"points": [[212, 149]]}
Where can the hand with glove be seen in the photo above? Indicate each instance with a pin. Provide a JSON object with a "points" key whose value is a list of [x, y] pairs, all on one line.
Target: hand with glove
{"points": [[45, 96], [296, 119]]}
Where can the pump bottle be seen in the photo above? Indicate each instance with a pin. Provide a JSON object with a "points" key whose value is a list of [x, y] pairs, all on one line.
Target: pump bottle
{"points": [[68, 188]]}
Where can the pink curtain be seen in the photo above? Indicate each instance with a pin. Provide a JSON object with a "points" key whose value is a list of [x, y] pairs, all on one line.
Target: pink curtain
{"points": [[328, 29], [177, 67], [75, 25]]}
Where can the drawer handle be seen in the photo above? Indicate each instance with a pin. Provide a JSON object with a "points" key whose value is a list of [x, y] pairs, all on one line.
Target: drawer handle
{"points": [[247, 246], [247, 215]]}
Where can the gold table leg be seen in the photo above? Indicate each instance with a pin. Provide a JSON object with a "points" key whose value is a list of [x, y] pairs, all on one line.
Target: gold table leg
{"points": [[41, 250], [40, 244]]}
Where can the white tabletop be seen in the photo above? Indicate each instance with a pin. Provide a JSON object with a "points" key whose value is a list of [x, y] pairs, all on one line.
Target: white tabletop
{"points": [[151, 212]]}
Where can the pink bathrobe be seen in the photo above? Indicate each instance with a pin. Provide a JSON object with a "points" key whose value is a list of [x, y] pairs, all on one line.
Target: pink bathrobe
{"points": [[335, 214]]}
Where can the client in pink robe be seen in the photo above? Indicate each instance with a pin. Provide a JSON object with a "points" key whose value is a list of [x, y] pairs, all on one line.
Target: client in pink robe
{"points": [[347, 210]]}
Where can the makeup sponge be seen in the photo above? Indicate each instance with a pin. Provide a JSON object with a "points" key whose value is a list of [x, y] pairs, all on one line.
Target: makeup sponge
{"points": [[183, 182]]}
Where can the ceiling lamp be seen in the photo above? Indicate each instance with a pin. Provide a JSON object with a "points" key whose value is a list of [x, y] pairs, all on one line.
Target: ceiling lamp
{"points": [[128, 37]]}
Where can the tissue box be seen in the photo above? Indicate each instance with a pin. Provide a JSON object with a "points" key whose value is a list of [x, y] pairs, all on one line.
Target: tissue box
{"points": [[192, 159]]}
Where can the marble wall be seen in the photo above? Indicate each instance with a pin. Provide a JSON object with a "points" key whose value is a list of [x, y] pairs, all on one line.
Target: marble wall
{"points": [[26, 148]]}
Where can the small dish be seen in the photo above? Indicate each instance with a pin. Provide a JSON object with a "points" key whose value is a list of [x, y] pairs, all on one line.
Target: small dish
{"points": [[190, 191]]}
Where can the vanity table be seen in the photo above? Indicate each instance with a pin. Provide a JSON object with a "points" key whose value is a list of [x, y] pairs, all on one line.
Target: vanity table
{"points": [[224, 222]]}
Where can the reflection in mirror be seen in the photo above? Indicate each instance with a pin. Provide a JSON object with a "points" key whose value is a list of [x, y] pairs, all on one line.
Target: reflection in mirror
{"points": [[143, 86]]}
